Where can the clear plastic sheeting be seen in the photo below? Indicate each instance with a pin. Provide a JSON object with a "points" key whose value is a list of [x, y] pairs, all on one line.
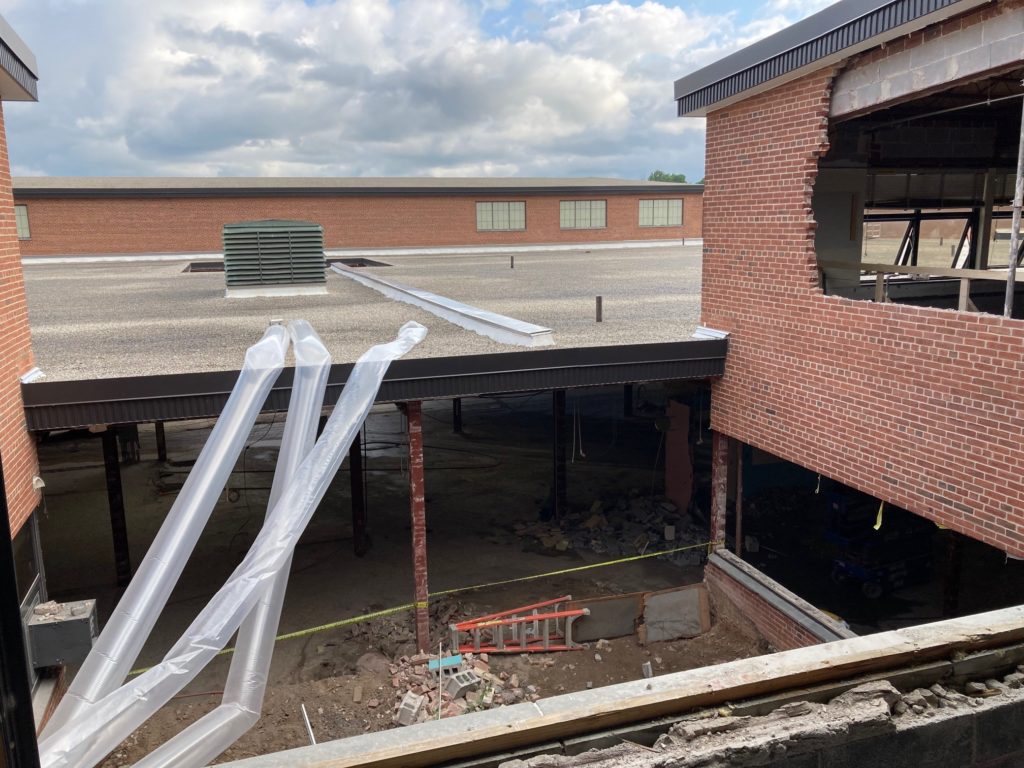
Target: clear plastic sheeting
{"points": [[99, 726], [240, 708], [125, 632]]}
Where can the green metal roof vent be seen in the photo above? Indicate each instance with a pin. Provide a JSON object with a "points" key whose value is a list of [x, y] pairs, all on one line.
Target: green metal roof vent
{"points": [[274, 258]]}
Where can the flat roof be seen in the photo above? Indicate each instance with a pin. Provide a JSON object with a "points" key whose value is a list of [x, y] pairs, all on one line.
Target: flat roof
{"points": [[120, 186], [147, 330], [831, 35]]}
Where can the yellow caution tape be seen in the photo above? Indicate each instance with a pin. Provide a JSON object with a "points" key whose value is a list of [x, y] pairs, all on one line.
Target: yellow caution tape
{"points": [[457, 590]]}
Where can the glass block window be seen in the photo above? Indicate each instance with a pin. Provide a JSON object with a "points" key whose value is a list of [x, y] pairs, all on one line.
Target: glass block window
{"points": [[582, 214], [21, 222], [661, 213], [500, 216]]}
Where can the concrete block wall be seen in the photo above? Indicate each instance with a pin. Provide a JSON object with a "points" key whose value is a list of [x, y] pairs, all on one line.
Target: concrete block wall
{"points": [[991, 38], [16, 445], [61, 226], [920, 407]]}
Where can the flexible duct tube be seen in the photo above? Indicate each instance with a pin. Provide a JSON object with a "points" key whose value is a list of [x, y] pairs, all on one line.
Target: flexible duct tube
{"points": [[125, 632], [103, 725], [206, 738]]}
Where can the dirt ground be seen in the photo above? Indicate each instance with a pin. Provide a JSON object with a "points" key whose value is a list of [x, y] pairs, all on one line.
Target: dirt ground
{"points": [[329, 693]]}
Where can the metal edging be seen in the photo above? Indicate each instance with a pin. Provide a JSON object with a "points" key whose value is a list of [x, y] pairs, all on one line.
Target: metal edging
{"points": [[76, 404]]}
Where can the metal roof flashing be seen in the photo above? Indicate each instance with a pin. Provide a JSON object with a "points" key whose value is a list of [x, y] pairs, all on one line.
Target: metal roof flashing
{"points": [[830, 36], [18, 69]]}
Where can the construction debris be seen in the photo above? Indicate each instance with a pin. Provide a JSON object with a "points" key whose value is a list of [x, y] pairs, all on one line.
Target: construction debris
{"points": [[465, 686], [623, 527]]}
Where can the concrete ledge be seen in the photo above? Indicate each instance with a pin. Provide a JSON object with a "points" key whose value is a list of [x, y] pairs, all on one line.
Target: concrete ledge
{"points": [[506, 330], [574, 714]]}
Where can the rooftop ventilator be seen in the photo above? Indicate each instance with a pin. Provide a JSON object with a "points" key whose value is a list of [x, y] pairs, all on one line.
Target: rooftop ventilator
{"points": [[100, 709], [274, 258]]}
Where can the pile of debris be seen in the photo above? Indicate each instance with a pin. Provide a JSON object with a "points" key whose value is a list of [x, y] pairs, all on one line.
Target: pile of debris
{"points": [[623, 527], [428, 690]]}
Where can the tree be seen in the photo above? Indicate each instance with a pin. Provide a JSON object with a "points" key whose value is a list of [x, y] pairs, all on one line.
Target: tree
{"points": [[678, 178]]}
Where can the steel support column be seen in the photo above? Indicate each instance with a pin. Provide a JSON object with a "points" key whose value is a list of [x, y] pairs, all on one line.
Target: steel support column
{"points": [[719, 487], [161, 441], [417, 500], [457, 415], [115, 500], [360, 537], [559, 492], [627, 400], [17, 722], [739, 498]]}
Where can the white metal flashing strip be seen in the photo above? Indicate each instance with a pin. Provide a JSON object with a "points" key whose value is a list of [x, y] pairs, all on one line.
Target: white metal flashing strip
{"points": [[506, 330], [253, 291], [106, 258]]}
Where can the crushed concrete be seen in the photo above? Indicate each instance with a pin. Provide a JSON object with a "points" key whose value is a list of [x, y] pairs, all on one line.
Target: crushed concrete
{"points": [[621, 527], [718, 738]]}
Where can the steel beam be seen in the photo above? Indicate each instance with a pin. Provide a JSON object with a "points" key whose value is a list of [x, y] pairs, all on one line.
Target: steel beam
{"points": [[161, 441]]}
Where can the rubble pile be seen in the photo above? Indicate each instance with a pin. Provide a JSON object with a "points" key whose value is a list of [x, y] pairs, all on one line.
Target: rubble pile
{"points": [[922, 701], [621, 528], [422, 694]]}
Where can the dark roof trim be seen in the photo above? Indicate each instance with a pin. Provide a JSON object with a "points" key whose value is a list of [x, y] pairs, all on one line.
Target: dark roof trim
{"points": [[77, 404], [17, 67], [839, 31], [22, 193]]}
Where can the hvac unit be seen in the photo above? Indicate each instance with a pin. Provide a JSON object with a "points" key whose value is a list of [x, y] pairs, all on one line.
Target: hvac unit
{"points": [[274, 258], [61, 633]]}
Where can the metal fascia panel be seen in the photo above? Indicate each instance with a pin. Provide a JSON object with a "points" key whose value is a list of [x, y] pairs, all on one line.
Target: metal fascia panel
{"points": [[77, 404], [815, 41]]}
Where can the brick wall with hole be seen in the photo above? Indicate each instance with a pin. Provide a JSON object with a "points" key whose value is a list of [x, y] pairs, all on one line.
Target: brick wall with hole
{"points": [[17, 448], [61, 226], [921, 407], [729, 596]]}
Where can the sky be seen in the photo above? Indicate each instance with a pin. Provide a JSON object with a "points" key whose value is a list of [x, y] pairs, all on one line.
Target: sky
{"points": [[370, 87]]}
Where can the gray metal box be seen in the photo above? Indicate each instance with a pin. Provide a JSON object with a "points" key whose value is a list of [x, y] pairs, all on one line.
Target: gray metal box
{"points": [[61, 633]]}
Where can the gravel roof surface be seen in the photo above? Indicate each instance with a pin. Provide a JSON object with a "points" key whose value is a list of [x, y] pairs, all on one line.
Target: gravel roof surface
{"points": [[141, 318]]}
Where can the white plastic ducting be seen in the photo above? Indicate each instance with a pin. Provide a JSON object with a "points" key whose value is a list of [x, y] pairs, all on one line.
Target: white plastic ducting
{"points": [[127, 629], [240, 708], [97, 727]]}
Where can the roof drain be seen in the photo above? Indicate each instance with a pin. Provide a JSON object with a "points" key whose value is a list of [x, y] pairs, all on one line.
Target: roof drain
{"points": [[506, 330]]}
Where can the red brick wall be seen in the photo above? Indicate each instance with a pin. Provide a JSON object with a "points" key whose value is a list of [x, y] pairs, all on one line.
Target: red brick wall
{"points": [[170, 225], [16, 446], [921, 407], [777, 628]]}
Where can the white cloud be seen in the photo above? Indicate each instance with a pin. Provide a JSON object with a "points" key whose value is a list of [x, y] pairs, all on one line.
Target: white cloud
{"points": [[360, 87]]}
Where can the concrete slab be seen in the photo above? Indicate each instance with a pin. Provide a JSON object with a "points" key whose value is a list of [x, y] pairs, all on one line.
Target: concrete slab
{"points": [[675, 613], [613, 616]]}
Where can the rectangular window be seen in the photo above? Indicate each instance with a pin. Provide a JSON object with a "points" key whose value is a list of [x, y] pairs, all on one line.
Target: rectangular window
{"points": [[582, 214], [502, 216], [661, 213], [21, 222]]}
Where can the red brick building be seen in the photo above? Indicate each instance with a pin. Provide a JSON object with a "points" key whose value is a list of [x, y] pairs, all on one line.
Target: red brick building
{"points": [[67, 216], [21, 580], [899, 379]]}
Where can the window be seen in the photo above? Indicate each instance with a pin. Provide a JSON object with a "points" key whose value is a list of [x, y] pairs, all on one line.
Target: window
{"points": [[500, 216], [661, 213], [21, 222], [582, 214]]}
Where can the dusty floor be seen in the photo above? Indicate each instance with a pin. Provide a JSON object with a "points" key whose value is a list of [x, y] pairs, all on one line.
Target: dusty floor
{"points": [[480, 486]]}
